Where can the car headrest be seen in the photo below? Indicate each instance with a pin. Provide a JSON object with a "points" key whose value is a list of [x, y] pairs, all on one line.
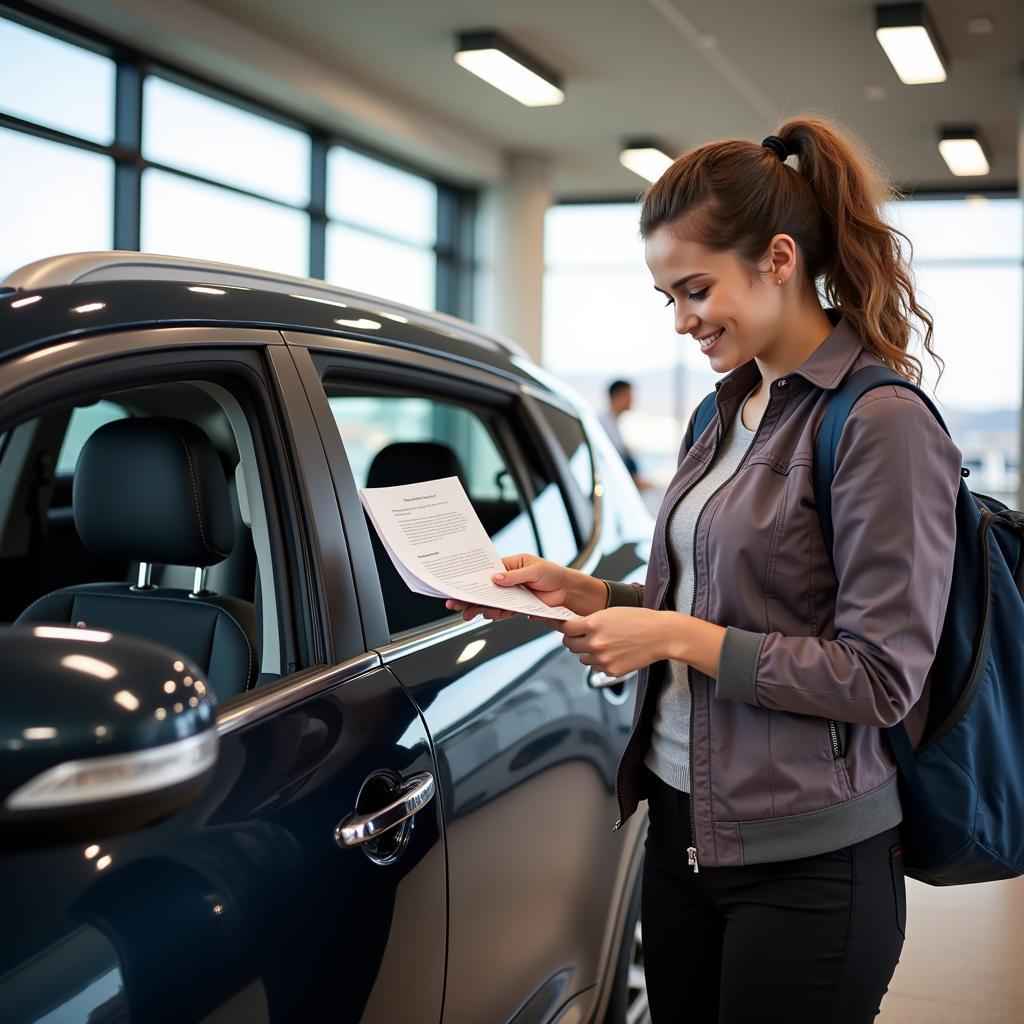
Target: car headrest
{"points": [[153, 490], [413, 462]]}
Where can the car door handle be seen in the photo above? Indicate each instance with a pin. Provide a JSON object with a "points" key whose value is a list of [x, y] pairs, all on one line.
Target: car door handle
{"points": [[600, 680], [415, 793]]}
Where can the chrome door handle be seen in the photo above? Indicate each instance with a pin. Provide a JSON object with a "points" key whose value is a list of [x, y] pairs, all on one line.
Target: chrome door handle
{"points": [[416, 792], [599, 680]]}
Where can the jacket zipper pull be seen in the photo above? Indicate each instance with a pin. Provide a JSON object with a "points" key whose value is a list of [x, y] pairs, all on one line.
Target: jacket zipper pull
{"points": [[691, 859], [617, 825]]}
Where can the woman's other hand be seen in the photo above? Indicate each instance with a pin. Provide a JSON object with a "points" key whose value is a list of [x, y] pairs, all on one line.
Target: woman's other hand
{"points": [[618, 641]]}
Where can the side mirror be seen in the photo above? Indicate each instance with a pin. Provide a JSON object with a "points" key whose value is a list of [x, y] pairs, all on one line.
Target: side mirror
{"points": [[99, 734]]}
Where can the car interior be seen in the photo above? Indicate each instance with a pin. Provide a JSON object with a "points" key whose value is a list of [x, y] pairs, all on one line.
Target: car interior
{"points": [[142, 511], [392, 438]]}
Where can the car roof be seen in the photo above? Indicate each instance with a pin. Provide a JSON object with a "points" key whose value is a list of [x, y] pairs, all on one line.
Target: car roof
{"points": [[90, 293]]}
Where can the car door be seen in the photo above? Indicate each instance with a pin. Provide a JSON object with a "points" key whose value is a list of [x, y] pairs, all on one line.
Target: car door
{"points": [[247, 905], [526, 743]]}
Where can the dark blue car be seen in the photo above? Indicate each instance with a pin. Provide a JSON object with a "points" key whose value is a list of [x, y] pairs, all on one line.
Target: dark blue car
{"points": [[246, 774]]}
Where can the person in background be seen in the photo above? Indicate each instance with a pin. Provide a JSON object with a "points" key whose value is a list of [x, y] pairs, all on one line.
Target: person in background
{"points": [[620, 400]]}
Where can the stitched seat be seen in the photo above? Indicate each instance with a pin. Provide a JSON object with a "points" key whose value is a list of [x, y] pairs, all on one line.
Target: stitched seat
{"points": [[153, 491]]}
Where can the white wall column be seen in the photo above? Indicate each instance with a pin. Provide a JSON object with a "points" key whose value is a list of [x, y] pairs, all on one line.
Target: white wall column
{"points": [[510, 248]]}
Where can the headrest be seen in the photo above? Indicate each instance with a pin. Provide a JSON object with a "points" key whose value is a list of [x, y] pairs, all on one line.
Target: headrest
{"points": [[152, 490], [413, 462]]}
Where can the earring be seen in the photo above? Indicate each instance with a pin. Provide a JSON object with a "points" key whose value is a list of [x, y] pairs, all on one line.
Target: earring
{"points": [[780, 280]]}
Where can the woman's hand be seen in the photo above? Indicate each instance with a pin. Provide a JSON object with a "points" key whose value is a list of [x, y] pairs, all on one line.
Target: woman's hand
{"points": [[552, 583], [618, 641]]}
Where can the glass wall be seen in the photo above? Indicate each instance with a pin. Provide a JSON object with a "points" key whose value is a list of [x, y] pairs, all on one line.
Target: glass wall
{"points": [[383, 228], [603, 320], [201, 174], [967, 259]]}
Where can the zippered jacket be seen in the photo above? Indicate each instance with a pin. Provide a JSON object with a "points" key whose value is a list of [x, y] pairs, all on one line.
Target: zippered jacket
{"points": [[787, 754]]}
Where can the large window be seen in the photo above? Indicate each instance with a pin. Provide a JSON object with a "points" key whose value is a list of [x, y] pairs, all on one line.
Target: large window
{"points": [[967, 261], [182, 217], [193, 171], [383, 229], [603, 320], [59, 199], [56, 84]]}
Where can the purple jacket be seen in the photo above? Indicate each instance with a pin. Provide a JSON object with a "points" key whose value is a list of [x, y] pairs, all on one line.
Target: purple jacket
{"points": [[787, 757]]}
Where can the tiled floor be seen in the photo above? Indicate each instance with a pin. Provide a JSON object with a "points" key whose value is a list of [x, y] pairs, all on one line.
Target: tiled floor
{"points": [[963, 962]]}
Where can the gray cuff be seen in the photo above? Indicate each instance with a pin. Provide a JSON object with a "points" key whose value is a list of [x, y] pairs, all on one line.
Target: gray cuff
{"points": [[737, 665], [630, 595]]}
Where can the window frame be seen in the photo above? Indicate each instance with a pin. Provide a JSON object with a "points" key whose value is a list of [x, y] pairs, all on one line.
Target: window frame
{"points": [[318, 357], [241, 369]]}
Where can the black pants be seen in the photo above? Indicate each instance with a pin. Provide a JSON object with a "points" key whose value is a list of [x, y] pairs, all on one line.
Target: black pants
{"points": [[810, 941]]}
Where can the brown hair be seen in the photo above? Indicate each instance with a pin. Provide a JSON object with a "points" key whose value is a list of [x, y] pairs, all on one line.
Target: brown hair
{"points": [[736, 195]]}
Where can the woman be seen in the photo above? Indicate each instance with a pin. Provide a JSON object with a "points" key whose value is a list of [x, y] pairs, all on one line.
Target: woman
{"points": [[773, 886]]}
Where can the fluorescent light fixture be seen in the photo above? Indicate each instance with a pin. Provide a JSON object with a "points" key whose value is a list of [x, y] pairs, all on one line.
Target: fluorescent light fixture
{"points": [[646, 158], [908, 36], [963, 152], [499, 62]]}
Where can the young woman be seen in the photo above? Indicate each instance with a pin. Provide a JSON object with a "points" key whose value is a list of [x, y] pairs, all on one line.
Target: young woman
{"points": [[773, 887]]}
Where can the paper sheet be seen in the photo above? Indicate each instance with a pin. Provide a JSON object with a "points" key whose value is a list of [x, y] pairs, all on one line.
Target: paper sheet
{"points": [[440, 548]]}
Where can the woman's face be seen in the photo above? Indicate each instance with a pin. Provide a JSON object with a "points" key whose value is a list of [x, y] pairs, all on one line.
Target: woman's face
{"points": [[730, 309]]}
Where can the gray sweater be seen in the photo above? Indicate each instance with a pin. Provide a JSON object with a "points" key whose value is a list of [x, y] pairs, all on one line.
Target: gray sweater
{"points": [[669, 753]]}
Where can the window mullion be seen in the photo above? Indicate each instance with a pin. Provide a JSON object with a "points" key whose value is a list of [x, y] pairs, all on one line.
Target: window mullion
{"points": [[318, 206], [128, 161]]}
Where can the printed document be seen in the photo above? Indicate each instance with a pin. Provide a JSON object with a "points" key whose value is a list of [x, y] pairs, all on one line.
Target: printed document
{"points": [[440, 548]]}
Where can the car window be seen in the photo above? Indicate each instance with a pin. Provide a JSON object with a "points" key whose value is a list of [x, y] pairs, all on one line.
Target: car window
{"points": [[389, 439], [569, 433], [60, 567], [85, 421], [395, 438]]}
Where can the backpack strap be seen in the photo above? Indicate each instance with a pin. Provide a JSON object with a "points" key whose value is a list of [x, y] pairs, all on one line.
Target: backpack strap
{"points": [[705, 414], [837, 409]]}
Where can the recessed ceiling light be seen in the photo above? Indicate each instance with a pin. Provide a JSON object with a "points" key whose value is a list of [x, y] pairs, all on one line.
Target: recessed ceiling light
{"points": [[963, 152], [499, 62], [906, 33], [645, 157]]}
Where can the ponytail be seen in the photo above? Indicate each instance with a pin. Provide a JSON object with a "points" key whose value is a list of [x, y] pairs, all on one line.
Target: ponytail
{"points": [[738, 195]]}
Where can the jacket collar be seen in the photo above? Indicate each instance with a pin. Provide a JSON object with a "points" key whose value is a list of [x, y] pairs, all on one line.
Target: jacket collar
{"points": [[826, 367]]}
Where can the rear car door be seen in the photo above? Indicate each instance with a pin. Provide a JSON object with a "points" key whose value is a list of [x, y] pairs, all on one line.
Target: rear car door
{"points": [[247, 905], [526, 743]]}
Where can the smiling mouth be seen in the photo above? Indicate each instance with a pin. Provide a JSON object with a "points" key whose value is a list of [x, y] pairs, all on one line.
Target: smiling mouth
{"points": [[708, 343]]}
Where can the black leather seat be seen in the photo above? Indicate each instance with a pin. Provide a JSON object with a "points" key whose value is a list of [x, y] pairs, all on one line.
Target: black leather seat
{"points": [[154, 491]]}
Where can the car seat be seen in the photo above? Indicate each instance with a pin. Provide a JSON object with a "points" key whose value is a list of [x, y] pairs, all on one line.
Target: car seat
{"points": [[153, 491]]}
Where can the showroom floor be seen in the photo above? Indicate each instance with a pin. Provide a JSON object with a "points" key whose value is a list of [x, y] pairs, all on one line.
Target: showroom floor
{"points": [[961, 962]]}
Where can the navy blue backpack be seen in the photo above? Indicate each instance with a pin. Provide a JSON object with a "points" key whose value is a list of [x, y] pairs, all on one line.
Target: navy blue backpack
{"points": [[962, 787]]}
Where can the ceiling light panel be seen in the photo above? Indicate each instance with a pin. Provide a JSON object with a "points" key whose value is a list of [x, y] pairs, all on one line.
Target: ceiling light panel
{"points": [[906, 33], [646, 158], [963, 152], [499, 62]]}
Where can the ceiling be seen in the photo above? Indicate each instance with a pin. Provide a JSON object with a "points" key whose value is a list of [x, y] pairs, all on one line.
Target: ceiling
{"points": [[686, 71]]}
